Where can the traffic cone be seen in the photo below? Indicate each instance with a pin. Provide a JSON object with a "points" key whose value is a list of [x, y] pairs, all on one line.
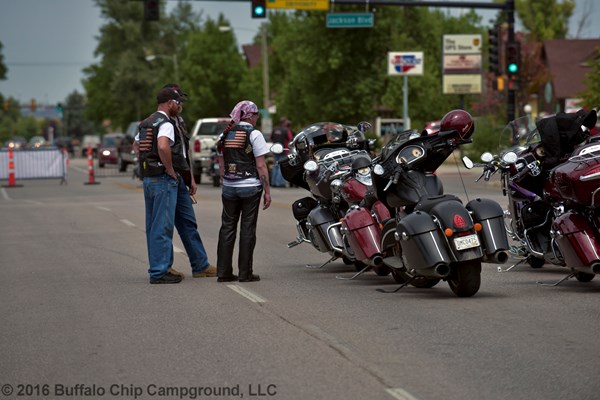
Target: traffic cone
{"points": [[91, 180], [12, 181]]}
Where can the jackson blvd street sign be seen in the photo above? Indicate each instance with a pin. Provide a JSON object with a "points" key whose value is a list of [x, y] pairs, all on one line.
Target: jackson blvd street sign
{"points": [[350, 20]]}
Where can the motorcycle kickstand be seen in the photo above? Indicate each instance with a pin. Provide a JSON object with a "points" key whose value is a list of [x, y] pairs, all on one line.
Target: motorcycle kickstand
{"points": [[322, 265], [398, 288], [355, 275], [294, 243], [557, 283], [512, 266]]}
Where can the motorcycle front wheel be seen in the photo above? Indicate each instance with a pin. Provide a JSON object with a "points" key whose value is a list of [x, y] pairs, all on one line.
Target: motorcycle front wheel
{"points": [[465, 278]]}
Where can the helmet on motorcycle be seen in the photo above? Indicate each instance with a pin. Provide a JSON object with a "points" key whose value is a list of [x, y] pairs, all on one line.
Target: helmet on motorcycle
{"points": [[320, 134], [460, 121]]}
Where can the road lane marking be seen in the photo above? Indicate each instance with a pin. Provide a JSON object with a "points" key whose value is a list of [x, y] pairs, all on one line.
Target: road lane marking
{"points": [[400, 394], [37, 203], [178, 250], [246, 293], [5, 194], [103, 208], [128, 222]]}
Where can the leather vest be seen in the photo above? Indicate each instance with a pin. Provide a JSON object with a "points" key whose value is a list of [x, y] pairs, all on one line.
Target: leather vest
{"points": [[150, 160], [238, 158]]}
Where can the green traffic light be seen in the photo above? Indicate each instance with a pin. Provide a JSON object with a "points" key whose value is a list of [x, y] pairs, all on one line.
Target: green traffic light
{"points": [[513, 68]]}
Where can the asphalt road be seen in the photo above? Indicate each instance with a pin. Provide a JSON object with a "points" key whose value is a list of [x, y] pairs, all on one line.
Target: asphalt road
{"points": [[79, 319]]}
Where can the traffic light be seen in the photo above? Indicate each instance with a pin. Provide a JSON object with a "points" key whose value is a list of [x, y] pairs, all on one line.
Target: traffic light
{"points": [[259, 8], [151, 10], [59, 108], [33, 105], [513, 59], [493, 57]]}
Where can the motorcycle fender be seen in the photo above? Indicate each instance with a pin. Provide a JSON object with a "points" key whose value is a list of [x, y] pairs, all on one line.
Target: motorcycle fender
{"points": [[576, 241], [362, 233], [423, 246], [323, 238], [493, 235], [381, 211]]}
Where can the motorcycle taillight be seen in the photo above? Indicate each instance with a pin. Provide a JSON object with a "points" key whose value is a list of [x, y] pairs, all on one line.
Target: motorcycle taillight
{"points": [[197, 146]]}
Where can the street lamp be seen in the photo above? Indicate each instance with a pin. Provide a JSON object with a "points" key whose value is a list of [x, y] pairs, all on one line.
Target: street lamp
{"points": [[266, 120], [152, 57]]}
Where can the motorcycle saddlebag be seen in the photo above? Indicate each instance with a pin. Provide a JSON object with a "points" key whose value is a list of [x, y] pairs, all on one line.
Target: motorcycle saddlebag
{"points": [[493, 232], [363, 237], [302, 207], [422, 244], [319, 220], [576, 241]]}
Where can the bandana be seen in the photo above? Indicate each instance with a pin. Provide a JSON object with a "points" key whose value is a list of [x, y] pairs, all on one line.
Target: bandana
{"points": [[243, 110]]}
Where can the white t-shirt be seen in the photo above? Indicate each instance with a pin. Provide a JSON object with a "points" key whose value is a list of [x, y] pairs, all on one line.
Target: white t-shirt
{"points": [[259, 148]]}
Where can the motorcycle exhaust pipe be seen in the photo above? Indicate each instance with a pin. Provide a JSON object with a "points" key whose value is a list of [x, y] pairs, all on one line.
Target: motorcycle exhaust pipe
{"points": [[376, 261], [437, 271], [499, 257], [596, 267]]}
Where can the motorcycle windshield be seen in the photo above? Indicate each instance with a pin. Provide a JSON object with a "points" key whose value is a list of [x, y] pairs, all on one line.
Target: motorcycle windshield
{"points": [[518, 135]]}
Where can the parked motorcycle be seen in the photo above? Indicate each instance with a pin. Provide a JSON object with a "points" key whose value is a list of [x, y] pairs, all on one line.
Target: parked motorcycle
{"points": [[553, 197], [433, 236], [339, 217], [213, 168]]}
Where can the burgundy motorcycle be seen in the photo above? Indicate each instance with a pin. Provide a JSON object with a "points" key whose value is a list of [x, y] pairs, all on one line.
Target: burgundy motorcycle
{"points": [[553, 196]]}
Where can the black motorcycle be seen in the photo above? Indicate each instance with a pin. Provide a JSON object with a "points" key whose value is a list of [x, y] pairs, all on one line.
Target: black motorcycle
{"points": [[433, 236]]}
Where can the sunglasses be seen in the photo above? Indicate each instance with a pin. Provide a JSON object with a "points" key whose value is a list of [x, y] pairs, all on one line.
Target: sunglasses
{"points": [[178, 102]]}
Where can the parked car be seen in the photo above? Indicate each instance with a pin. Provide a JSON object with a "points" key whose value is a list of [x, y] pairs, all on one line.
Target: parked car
{"points": [[108, 152], [90, 140], [126, 154], [36, 142], [16, 143], [203, 139]]}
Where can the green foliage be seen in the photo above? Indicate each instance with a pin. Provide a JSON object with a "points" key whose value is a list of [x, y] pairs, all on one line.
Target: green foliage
{"points": [[545, 19], [591, 95]]}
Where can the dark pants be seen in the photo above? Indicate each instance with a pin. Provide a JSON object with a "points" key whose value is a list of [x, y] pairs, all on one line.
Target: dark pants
{"points": [[244, 202]]}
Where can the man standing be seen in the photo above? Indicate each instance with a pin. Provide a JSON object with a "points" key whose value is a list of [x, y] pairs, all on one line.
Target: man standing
{"points": [[163, 162], [281, 134]]}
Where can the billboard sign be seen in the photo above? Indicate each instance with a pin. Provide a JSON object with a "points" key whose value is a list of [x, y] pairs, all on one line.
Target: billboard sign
{"points": [[405, 63]]}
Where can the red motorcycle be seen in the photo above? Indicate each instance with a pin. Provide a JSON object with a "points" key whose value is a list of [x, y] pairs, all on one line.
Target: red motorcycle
{"points": [[553, 190]]}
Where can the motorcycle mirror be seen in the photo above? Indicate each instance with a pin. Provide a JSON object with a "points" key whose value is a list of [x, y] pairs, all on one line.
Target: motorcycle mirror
{"points": [[378, 170], [277, 148], [311, 166], [510, 157], [487, 157], [364, 126], [467, 162]]}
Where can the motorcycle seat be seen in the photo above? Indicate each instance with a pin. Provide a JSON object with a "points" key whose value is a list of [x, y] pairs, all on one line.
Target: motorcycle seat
{"points": [[427, 203]]}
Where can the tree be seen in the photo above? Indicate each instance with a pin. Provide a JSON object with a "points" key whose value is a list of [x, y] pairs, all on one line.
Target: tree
{"points": [[591, 96], [545, 19]]}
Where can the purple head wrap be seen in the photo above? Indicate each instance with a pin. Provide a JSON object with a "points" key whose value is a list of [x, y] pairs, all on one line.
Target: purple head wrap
{"points": [[243, 110]]}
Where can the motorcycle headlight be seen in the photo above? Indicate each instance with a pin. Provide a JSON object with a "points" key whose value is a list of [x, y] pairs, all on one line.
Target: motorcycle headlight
{"points": [[336, 185], [378, 170], [364, 179]]}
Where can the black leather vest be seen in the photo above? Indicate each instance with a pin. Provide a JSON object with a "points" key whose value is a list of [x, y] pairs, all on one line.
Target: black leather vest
{"points": [[150, 160], [238, 158]]}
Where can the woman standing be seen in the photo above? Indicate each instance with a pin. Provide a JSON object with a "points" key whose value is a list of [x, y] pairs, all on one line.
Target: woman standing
{"points": [[242, 150]]}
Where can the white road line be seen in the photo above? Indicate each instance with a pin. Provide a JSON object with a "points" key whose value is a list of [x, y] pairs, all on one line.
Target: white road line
{"points": [[103, 208], [127, 222], [5, 194], [246, 293], [178, 250], [400, 394]]}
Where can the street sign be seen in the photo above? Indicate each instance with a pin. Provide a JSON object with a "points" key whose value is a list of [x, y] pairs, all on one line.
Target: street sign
{"points": [[405, 63], [461, 64], [299, 4], [350, 20]]}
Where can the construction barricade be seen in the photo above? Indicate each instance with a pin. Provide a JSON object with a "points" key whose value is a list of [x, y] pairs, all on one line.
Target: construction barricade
{"points": [[17, 165]]}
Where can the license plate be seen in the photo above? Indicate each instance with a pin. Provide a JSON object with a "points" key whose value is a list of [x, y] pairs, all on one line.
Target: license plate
{"points": [[466, 242]]}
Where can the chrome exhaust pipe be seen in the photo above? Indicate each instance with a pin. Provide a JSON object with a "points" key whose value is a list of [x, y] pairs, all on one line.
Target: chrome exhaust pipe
{"points": [[596, 267], [376, 261]]}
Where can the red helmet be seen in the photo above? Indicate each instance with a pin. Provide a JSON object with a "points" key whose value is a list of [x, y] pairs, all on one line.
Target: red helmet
{"points": [[458, 120]]}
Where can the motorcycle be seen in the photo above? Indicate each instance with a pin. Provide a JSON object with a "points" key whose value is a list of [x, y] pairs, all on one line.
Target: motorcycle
{"points": [[213, 168], [553, 211], [433, 236], [338, 218]]}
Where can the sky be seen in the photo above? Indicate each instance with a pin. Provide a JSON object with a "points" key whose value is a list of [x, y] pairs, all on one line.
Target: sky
{"points": [[46, 43]]}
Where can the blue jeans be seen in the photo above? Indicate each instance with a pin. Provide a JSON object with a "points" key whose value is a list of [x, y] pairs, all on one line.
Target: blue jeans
{"points": [[168, 205], [277, 179], [238, 202]]}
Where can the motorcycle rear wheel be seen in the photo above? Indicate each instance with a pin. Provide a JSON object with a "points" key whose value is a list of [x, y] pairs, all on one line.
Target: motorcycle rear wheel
{"points": [[465, 278]]}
